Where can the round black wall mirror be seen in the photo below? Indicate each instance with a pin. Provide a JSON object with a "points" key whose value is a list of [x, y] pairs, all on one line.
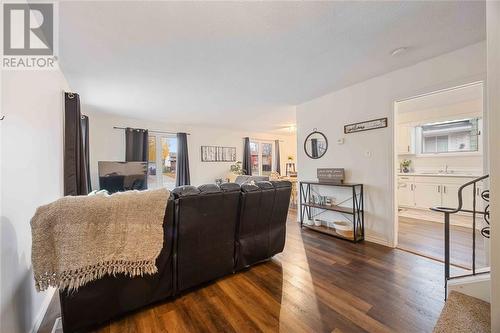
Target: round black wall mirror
{"points": [[315, 144]]}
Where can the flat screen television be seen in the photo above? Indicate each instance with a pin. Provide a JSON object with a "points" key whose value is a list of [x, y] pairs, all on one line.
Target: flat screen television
{"points": [[122, 176]]}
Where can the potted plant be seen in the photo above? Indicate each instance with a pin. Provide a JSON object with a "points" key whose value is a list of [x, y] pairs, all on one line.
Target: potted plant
{"points": [[236, 168], [405, 166]]}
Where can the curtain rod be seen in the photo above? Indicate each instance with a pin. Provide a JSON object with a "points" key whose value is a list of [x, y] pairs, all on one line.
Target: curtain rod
{"points": [[263, 139], [154, 131]]}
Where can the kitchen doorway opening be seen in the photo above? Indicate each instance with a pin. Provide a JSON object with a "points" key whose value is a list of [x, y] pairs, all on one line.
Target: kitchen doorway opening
{"points": [[438, 147]]}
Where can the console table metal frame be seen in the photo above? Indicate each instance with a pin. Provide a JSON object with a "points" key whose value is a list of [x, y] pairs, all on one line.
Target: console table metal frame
{"points": [[357, 210]]}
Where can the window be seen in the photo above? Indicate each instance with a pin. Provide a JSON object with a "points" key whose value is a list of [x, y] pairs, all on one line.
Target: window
{"points": [[267, 159], [254, 153], [262, 158], [449, 137], [162, 161]]}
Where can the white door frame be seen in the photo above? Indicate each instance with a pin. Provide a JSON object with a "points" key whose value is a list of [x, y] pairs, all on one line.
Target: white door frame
{"points": [[475, 80]]}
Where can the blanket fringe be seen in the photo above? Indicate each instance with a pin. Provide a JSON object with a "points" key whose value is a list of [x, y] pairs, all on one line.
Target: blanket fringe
{"points": [[72, 280]]}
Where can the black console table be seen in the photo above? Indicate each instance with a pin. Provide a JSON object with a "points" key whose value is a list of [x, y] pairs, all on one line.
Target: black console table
{"points": [[354, 214]]}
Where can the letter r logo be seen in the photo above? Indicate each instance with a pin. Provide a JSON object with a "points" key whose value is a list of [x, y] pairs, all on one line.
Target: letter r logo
{"points": [[28, 29]]}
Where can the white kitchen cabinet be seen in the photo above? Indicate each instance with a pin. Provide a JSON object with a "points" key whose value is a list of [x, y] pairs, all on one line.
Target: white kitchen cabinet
{"points": [[427, 195], [424, 192], [405, 194], [406, 139], [480, 203], [450, 196]]}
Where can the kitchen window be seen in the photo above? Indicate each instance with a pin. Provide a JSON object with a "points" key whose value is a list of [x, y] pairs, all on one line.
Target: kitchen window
{"points": [[455, 136]]}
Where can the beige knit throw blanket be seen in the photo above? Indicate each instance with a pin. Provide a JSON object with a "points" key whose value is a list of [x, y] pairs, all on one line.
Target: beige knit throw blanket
{"points": [[78, 239]]}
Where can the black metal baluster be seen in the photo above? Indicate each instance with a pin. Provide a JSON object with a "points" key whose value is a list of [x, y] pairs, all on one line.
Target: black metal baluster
{"points": [[474, 230], [446, 251]]}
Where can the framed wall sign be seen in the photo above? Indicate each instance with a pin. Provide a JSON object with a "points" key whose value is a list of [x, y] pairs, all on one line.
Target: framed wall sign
{"points": [[365, 125], [218, 154], [331, 175]]}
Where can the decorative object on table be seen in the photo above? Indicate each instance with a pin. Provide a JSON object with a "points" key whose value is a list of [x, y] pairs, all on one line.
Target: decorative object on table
{"points": [[218, 154], [236, 168], [405, 166], [290, 167], [312, 199], [274, 175], [343, 228], [353, 212], [365, 125], [315, 144], [317, 222], [331, 175]]}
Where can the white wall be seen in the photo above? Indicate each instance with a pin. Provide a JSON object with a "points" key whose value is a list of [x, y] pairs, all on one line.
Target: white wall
{"points": [[493, 107], [471, 162], [31, 175], [372, 99], [108, 144]]}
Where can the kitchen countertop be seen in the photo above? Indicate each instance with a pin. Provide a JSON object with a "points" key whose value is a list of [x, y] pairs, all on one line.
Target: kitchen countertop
{"points": [[435, 174]]}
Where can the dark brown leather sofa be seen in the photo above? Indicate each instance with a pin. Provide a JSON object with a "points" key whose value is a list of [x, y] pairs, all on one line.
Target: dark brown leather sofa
{"points": [[209, 232]]}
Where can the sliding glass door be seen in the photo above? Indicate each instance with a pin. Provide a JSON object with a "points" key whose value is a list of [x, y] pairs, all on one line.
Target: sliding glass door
{"points": [[162, 161], [262, 157]]}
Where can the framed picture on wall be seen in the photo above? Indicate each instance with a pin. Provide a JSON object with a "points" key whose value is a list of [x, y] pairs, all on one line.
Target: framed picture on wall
{"points": [[365, 125], [218, 154]]}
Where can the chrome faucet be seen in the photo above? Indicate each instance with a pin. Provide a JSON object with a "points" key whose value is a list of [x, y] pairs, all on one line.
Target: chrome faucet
{"points": [[444, 170]]}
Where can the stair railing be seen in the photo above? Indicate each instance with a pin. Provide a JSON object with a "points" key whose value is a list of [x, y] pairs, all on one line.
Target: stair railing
{"points": [[485, 231]]}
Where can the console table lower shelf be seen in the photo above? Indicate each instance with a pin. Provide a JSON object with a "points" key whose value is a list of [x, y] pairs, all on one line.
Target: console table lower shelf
{"points": [[352, 229]]}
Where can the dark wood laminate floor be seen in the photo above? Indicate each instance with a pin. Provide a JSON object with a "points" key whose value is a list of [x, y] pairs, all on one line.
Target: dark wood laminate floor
{"points": [[427, 238], [318, 284]]}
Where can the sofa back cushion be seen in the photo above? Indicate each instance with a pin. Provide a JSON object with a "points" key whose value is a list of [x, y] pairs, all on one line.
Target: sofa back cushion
{"points": [[246, 179], [277, 227], [262, 226], [206, 224]]}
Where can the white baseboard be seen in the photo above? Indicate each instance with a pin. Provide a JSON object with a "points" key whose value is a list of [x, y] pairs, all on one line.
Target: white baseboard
{"points": [[377, 240], [43, 309], [477, 286]]}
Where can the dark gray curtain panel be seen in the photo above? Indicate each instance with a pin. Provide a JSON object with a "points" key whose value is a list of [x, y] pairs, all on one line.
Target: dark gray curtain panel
{"points": [[247, 158], [278, 160], [182, 171], [76, 171], [136, 145], [314, 148], [84, 122]]}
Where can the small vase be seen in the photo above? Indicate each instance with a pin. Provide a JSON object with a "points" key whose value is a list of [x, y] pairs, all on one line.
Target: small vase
{"points": [[406, 170]]}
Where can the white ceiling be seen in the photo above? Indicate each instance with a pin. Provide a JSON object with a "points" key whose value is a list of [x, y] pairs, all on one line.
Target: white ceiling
{"points": [[468, 93], [245, 64]]}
